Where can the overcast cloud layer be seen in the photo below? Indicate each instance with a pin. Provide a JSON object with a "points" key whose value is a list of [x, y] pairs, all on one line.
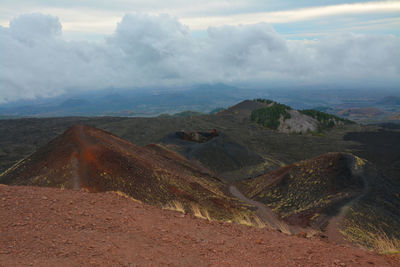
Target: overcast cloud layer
{"points": [[157, 50]]}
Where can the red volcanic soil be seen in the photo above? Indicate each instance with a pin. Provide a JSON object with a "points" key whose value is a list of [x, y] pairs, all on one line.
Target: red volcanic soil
{"points": [[55, 227]]}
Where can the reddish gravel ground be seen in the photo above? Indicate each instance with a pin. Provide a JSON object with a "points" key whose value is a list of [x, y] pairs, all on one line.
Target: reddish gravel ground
{"points": [[54, 227]]}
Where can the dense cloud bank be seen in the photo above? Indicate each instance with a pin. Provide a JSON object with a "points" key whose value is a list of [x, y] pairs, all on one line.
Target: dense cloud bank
{"points": [[146, 50]]}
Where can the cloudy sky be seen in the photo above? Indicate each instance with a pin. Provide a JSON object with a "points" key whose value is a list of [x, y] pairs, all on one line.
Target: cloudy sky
{"points": [[48, 47]]}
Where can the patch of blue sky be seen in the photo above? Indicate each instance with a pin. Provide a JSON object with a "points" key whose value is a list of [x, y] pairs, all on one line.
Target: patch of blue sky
{"points": [[374, 24], [273, 5]]}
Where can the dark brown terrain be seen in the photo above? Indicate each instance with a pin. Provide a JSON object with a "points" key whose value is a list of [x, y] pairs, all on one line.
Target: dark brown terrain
{"points": [[54, 227], [307, 193]]}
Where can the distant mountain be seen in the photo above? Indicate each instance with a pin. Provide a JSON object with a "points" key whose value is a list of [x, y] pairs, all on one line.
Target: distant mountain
{"points": [[73, 102], [202, 98]]}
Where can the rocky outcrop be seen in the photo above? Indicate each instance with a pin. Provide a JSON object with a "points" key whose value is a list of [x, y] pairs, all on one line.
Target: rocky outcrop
{"points": [[198, 137], [297, 123]]}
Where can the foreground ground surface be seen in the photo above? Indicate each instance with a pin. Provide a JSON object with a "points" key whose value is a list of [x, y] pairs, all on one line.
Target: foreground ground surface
{"points": [[48, 227]]}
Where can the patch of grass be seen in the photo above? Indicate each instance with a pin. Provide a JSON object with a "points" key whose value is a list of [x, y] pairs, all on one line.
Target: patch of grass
{"points": [[200, 213], [385, 244], [249, 220], [377, 240], [175, 206], [122, 194], [284, 228], [245, 217]]}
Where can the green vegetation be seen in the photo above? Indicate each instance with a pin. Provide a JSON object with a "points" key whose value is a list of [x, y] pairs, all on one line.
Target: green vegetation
{"points": [[326, 120], [270, 116]]}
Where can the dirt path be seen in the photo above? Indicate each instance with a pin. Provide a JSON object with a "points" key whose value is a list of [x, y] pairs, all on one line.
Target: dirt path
{"points": [[54, 227], [82, 136], [266, 214], [333, 228], [79, 159]]}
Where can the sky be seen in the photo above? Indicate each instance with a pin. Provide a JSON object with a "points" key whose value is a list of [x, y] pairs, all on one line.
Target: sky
{"points": [[49, 48]]}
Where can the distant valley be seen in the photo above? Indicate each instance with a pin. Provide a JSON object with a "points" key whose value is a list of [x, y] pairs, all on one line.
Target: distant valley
{"points": [[373, 107]]}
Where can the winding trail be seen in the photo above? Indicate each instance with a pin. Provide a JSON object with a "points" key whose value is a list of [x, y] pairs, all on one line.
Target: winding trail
{"points": [[332, 230], [266, 214]]}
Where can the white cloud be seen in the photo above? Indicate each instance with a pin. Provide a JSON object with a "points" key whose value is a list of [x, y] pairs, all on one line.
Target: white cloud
{"points": [[35, 26], [159, 51]]}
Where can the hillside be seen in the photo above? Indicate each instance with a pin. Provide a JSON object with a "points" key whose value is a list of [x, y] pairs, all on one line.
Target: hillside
{"points": [[88, 158], [337, 193], [53, 227], [21, 137], [300, 191], [244, 108], [220, 153]]}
